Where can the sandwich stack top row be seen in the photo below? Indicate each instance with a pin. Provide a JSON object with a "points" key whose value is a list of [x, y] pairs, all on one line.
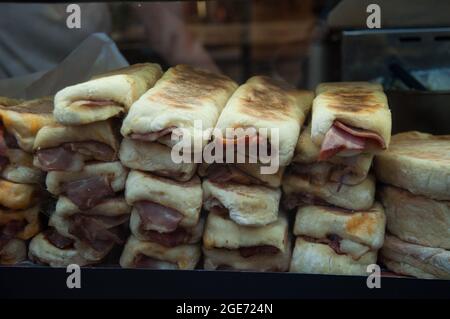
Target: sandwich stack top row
{"points": [[206, 166]]}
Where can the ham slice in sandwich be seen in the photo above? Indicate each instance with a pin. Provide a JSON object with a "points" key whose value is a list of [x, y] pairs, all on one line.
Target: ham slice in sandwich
{"points": [[161, 205], [68, 148], [179, 236], [89, 187], [94, 231], [350, 119], [348, 170]]}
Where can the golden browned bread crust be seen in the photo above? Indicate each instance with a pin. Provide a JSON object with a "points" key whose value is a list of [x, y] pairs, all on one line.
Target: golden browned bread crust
{"points": [[346, 86], [416, 219], [185, 85], [265, 104], [183, 256], [415, 260], [25, 120], [17, 196], [116, 91], [316, 258], [418, 162], [358, 106]]}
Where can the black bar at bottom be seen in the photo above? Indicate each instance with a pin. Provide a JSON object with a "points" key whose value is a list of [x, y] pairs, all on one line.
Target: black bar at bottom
{"points": [[44, 282]]}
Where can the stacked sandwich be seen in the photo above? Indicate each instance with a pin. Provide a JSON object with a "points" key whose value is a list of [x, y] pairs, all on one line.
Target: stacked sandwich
{"points": [[164, 190], [21, 191], [80, 154], [416, 198], [338, 225], [256, 135], [6, 101]]}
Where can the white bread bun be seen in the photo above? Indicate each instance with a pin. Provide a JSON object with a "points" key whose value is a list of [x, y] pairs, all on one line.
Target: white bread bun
{"points": [[359, 107], [416, 219], [316, 258], [184, 197], [120, 87], [247, 205], [418, 162], [25, 120], [415, 260], [217, 258], [180, 257], [155, 158], [221, 232], [364, 227], [356, 197]]}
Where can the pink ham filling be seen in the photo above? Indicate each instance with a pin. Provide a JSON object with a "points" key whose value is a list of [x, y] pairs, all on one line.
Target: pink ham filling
{"points": [[97, 231], [57, 239], [59, 159], [342, 137], [172, 239], [157, 217], [89, 192], [152, 136], [68, 156], [95, 102]]}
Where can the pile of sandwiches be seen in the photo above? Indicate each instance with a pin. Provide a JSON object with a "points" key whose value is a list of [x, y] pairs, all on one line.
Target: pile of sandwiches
{"points": [[96, 165], [22, 195], [415, 172], [166, 223], [245, 229], [79, 153], [339, 226]]}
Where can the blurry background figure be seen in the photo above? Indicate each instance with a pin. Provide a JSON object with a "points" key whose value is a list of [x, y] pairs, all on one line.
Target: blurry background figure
{"points": [[239, 38], [35, 37], [300, 41]]}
